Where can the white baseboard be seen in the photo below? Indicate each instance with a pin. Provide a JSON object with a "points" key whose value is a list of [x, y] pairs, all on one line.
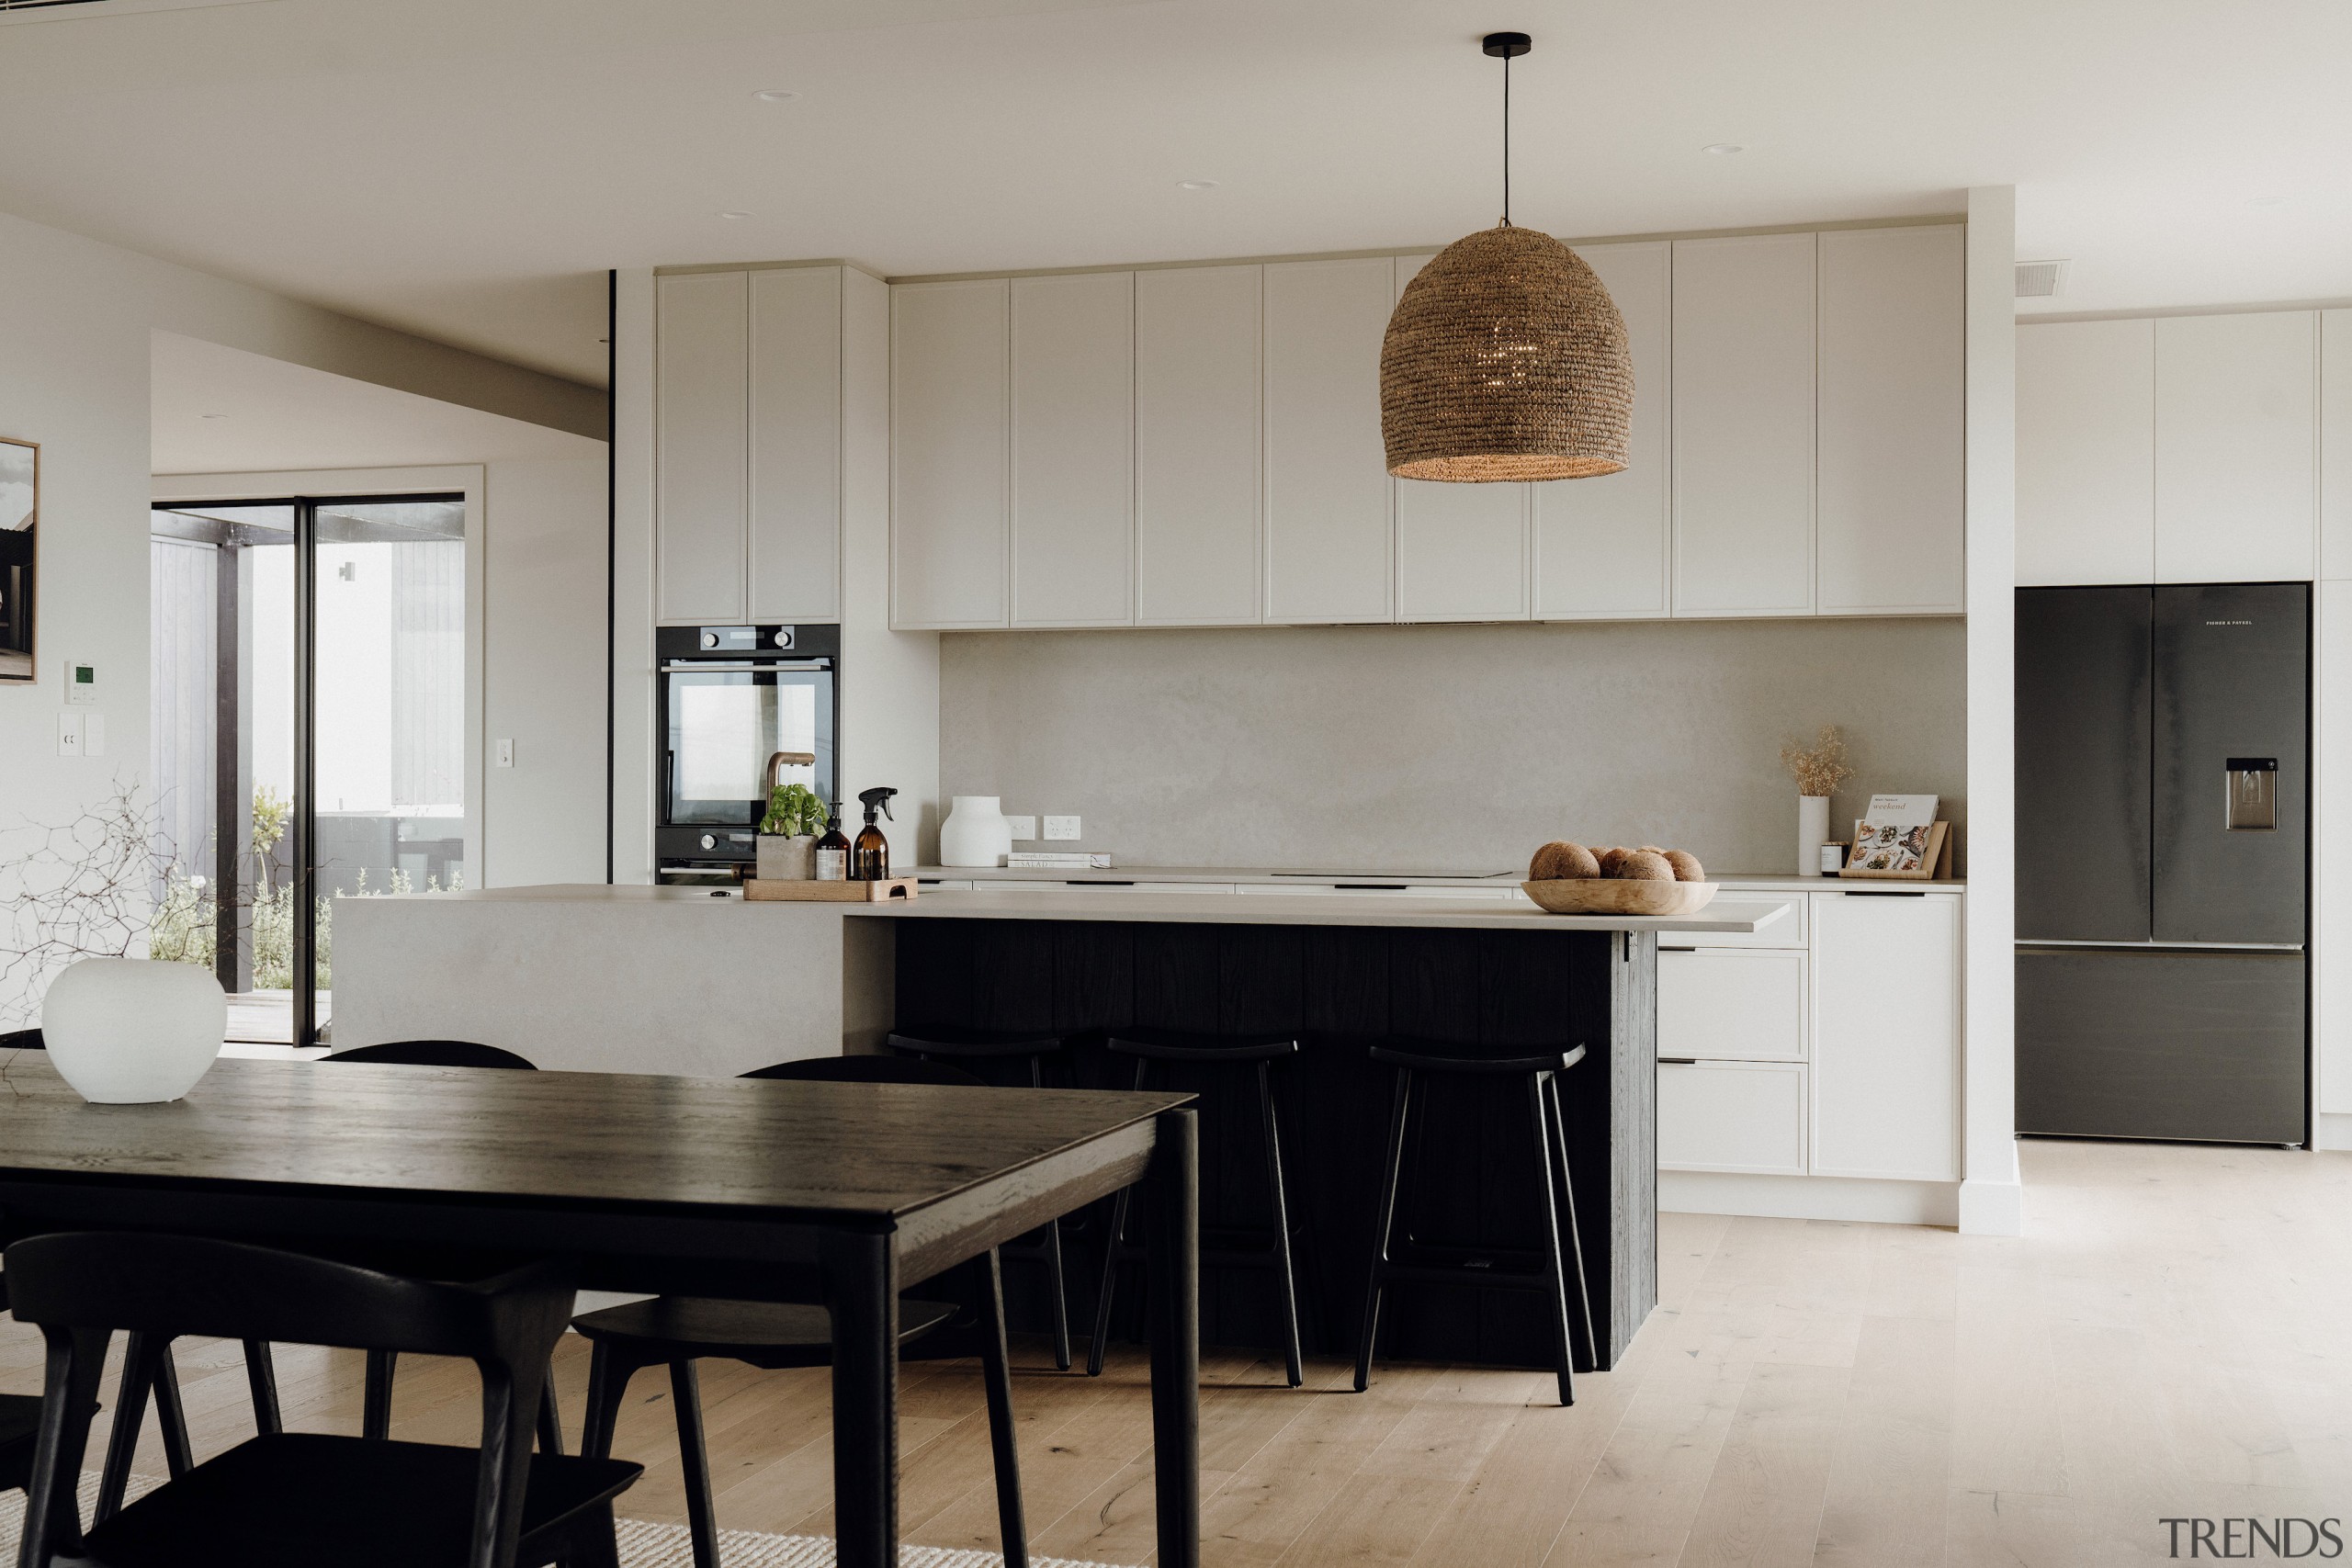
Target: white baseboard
{"points": [[1810, 1198], [2331, 1130], [1992, 1208]]}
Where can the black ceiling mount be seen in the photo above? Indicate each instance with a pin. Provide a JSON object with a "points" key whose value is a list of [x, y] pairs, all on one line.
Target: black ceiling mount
{"points": [[1507, 46]]}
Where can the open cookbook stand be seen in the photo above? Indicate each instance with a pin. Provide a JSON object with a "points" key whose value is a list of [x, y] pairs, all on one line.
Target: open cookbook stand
{"points": [[1934, 865]]}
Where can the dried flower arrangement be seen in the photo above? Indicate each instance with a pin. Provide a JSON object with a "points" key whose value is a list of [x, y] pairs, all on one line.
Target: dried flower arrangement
{"points": [[1821, 768]]}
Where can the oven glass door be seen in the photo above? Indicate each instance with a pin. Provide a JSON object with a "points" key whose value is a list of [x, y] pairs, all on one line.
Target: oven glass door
{"points": [[724, 722]]}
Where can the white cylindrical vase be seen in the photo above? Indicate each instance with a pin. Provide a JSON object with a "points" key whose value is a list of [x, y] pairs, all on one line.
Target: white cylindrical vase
{"points": [[1812, 831], [974, 832], [133, 1031]]}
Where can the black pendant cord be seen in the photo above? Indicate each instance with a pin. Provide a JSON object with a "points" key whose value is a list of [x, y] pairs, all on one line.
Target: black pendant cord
{"points": [[1505, 140]]}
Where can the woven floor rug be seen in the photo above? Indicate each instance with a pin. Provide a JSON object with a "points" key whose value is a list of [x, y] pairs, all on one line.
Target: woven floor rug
{"points": [[643, 1545]]}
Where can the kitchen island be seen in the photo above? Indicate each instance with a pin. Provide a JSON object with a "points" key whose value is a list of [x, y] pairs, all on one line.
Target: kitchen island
{"points": [[676, 980]]}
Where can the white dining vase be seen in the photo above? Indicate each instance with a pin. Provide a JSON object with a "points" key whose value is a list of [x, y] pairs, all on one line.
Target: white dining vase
{"points": [[974, 832], [133, 1031], [1812, 831]]}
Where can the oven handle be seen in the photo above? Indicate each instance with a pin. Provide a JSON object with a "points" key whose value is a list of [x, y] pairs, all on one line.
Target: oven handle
{"points": [[717, 669]]}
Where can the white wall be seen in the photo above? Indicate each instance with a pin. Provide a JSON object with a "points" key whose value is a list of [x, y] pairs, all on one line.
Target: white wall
{"points": [[75, 319]]}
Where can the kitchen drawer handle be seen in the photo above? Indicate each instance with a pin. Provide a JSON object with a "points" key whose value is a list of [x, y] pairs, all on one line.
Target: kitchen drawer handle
{"points": [[1678, 1061], [1098, 883], [1368, 887], [1885, 892]]}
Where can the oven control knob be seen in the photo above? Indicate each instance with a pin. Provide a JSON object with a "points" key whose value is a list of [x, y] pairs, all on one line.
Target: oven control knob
{"points": [[784, 637], [710, 639], [709, 843]]}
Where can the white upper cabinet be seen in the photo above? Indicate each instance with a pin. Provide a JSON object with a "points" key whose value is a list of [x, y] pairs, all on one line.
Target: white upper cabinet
{"points": [[948, 454], [2335, 444], [1744, 346], [1886, 1035], [2087, 452], [1603, 546], [1462, 549], [701, 438], [1199, 422], [1327, 491], [1887, 535], [796, 441], [1073, 424], [2237, 447]]}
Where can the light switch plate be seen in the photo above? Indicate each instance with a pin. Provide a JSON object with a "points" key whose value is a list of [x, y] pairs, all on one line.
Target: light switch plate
{"points": [[1061, 826], [1024, 829], [94, 734], [506, 753], [69, 734]]}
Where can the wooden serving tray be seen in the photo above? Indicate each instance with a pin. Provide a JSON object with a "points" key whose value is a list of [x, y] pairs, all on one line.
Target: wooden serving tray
{"points": [[758, 891], [1610, 896]]}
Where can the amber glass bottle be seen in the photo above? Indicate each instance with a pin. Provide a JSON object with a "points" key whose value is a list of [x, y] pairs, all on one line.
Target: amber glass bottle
{"points": [[869, 858]]}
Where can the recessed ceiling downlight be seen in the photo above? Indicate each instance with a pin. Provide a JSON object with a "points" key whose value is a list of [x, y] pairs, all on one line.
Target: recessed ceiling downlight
{"points": [[1722, 149], [734, 217], [775, 94], [1196, 185]]}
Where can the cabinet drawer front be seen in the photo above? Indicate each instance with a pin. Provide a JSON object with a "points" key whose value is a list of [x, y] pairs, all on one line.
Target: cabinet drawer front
{"points": [[1731, 1116], [1790, 931], [1731, 1006], [1886, 1035]]}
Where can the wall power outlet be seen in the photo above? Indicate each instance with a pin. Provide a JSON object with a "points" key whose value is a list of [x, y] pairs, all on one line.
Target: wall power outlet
{"points": [[1061, 827], [1024, 829]]}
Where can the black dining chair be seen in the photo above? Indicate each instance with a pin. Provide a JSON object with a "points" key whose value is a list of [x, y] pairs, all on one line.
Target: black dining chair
{"points": [[678, 1331], [23, 1040], [375, 1407], [20, 1421], [290, 1497]]}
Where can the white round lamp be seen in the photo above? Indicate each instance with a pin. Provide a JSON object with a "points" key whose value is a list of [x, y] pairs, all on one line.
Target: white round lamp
{"points": [[133, 1031]]}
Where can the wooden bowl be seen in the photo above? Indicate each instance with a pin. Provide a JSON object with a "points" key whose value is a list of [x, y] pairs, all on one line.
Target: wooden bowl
{"points": [[1610, 896]]}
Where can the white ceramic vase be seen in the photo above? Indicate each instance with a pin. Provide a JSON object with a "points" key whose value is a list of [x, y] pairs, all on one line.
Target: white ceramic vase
{"points": [[133, 1031], [1812, 831], [974, 832]]}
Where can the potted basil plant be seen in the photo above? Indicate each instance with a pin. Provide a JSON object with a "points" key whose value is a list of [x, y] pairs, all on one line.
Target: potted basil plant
{"points": [[788, 842]]}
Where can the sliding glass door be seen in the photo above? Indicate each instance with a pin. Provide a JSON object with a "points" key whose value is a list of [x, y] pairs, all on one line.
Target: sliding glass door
{"points": [[310, 734]]}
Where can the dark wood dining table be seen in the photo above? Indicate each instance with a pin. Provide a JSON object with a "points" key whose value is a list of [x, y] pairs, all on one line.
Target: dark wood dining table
{"points": [[753, 1189]]}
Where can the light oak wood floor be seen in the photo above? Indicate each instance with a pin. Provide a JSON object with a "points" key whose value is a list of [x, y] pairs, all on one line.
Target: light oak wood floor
{"points": [[2174, 1337]]}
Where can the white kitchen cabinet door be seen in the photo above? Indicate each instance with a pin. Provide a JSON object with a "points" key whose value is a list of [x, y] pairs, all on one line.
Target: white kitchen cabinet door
{"points": [[1199, 423], [2087, 452], [1886, 1035], [948, 454], [1887, 529], [1461, 550], [796, 418], [1743, 1117], [2335, 444], [1731, 1005], [701, 446], [1744, 347], [1328, 493], [2237, 447], [1603, 546], [1073, 454]]}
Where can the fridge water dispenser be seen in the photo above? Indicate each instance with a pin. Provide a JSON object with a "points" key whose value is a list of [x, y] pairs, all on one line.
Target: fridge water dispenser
{"points": [[2253, 803]]}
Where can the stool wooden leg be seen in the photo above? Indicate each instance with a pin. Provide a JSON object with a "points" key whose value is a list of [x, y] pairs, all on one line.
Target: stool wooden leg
{"points": [[608, 1378], [1112, 1244], [702, 1526], [375, 1407], [261, 1376], [1391, 1173], [1555, 1274], [1054, 1257], [1576, 1241], [1282, 1225], [996, 1371]]}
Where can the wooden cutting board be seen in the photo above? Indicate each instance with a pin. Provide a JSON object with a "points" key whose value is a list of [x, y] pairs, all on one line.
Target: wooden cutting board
{"points": [[758, 891]]}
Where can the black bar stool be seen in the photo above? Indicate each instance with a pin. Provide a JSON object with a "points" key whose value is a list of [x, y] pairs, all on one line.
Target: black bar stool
{"points": [[1550, 1275], [966, 1046], [1150, 1046]]}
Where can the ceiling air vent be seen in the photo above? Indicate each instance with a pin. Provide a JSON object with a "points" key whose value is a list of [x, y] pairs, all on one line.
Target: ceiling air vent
{"points": [[2042, 280]]}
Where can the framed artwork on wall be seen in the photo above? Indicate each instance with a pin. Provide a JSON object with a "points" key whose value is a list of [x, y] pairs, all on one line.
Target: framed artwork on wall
{"points": [[19, 515]]}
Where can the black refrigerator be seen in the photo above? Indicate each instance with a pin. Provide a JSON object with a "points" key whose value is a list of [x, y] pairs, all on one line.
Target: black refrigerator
{"points": [[2163, 838]]}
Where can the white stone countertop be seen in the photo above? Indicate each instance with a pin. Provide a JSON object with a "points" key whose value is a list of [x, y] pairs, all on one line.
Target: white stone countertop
{"points": [[1308, 909], [1262, 875]]}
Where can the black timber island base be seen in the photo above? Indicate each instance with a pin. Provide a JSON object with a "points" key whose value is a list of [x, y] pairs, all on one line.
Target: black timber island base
{"points": [[1471, 1172]]}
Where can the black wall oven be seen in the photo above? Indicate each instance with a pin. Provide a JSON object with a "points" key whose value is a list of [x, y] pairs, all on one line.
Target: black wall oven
{"points": [[728, 698]]}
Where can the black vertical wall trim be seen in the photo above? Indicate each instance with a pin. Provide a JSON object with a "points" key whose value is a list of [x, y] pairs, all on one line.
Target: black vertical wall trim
{"points": [[612, 544], [306, 648], [231, 964]]}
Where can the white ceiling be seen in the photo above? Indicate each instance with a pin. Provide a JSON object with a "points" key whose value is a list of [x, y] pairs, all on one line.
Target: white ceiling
{"points": [[467, 170], [221, 410]]}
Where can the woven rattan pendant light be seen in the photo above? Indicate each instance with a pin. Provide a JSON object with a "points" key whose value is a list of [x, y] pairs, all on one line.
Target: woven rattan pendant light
{"points": [[1506, 358]]}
